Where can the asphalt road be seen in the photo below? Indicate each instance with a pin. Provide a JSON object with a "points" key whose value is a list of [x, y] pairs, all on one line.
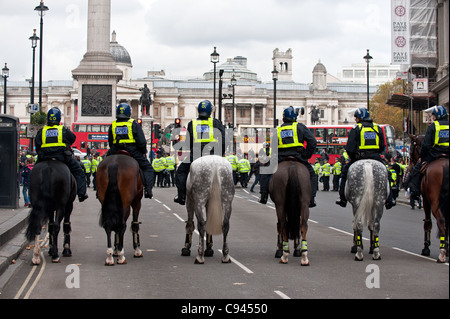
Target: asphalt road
{"points": [[254, 273]]}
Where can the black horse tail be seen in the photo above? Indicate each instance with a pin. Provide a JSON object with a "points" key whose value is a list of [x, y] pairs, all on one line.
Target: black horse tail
{"points": [[40, 185], [443, 197], [292, 204], [112, 212]]}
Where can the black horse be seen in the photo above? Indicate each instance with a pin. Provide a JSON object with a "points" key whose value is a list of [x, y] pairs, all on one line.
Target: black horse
{"points": [[52, 192]]}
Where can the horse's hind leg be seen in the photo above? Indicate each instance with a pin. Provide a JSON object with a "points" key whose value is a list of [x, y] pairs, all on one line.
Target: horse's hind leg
{"points": [[121, 260], [304, 248], [427, 225], [55, 228], [209, 252], [36, 260], [67, 252], [186, 250], [225, 250], [357, 240], [201, 247], [109, 251], [135, 231]]}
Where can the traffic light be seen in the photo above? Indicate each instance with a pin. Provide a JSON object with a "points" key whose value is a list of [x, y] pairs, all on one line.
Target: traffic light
{"points": [[177, 122], [139, 121], [157, 131]]}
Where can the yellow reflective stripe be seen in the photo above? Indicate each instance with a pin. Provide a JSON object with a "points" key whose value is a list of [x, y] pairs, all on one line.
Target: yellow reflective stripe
{"points": [[364, 132], [52, 136], [199, 128], [440, 130], [288, 131], [120, 125]]}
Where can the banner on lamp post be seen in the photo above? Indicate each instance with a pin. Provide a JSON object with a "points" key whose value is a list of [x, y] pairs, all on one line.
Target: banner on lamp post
{"points": [[400, 41]]}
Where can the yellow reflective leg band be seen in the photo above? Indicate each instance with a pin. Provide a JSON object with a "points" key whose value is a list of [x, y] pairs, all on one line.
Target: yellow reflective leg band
{"points": [[304, 245], [285, 246]]}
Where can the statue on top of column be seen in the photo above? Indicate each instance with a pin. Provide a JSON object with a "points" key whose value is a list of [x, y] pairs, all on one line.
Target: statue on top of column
{"points": [[314, 115], [145, 100]]}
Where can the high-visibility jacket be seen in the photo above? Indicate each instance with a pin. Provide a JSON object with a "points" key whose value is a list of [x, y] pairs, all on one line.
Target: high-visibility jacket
{"points": [[288, 137], [124, 131], [170, 163], [233, 161], [441, 137], [52, 136], [326, 169], [159, 164], [203, 131], [337, 168], [87, 165], [370, 139], [317, 168], [94, 165], [243, 166]]}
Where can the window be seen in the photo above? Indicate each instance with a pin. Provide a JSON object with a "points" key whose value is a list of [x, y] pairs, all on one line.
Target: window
{"points": [[341, 132]]}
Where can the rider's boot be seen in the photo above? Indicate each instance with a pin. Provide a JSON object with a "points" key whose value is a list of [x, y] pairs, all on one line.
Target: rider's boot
{"points": [[180, 198], [342, 201], [390, 201], [264, 197]]}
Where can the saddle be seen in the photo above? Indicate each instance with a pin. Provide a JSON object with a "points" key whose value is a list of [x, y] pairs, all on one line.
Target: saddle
{"points": [[425, 165], [123, 152], [291, 159]]}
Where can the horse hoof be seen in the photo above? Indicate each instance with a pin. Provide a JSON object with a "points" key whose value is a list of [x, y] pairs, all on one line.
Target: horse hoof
{"points": [[138, 255], [209, 252], [226, 260], [304, 263], [199, 262], [109, 263], [426, 252], [56, 260], [283, 262], [121, 262], [185, 252], [278, 253], [67, 253], [35, 262], [442, 257], [354, 249]]}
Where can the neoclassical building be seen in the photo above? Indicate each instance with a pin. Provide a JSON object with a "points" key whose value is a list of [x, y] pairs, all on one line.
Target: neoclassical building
{"points": [[174, 98]]}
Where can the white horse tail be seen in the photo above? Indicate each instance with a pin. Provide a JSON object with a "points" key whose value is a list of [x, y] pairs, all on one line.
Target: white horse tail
{"points": [[214, 219], [365, 206]]}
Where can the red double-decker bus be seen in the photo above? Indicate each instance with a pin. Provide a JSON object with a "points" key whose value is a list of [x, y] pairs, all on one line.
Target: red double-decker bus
{"points": [[333, 138]]}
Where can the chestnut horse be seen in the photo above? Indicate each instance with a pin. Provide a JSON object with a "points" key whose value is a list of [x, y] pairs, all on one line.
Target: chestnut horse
{"points": [[435, 191], [290, 190], [119, 188], [52, 192]]}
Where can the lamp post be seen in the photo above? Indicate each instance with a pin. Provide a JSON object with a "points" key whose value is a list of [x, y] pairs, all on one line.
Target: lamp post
{"points": [[367, 57], [275, 78], [214, 60], [5, 75], [41, 8], [34, 40], [233, 84]]}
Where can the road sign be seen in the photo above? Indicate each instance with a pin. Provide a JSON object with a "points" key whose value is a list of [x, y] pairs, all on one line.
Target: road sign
{"points": [[33, 108]]}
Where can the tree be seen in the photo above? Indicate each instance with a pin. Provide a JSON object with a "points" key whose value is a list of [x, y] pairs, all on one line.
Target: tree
{"points": [[383, 113]]}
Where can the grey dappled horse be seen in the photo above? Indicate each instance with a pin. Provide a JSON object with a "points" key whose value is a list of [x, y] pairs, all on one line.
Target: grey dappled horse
{"points": [[367, 189], [209, 194]]}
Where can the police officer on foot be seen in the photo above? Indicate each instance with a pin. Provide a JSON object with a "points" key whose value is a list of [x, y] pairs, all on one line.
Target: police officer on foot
{"points": [[205, 136], [365, 141], [127, 135], [291, 137], [54, 141], [435, 143]]}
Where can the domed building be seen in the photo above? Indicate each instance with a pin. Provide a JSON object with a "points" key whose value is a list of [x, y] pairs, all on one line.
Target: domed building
{"points": [[121, 56]]}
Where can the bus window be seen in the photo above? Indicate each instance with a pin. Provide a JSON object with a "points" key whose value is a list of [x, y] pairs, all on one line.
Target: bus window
{"points": [[320, 132], [340, 132]]}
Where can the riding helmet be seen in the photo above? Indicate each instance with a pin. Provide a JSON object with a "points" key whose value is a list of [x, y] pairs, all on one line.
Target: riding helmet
{"points": [[362, 113], [54, 116], [123, 111], [439, 111], [290, 114], [205, 108]]}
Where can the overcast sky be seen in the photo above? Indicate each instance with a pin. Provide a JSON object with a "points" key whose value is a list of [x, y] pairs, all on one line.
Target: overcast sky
{"points": [[179, 35]]}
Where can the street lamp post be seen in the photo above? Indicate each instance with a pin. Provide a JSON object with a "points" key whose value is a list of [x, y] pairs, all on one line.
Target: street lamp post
{"points": [[5, 75], [275, 78], [214, 60], [41, 8], [34, 40], [233, 84], [367, 57]]}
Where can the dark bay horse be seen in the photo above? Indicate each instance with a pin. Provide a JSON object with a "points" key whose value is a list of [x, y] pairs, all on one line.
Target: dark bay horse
{"points": [[209, 194], [119, 188], [290, 190], [52, 192], [435, 193], [367, 189]]}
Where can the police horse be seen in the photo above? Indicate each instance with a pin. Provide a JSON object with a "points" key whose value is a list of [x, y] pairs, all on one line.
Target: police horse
{"points": [[290, 190], [435, 191], [209, 194], [52, 192], [367, 189], [119, 189]]}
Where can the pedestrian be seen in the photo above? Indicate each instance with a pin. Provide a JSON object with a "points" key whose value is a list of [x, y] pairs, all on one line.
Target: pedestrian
{"points": [[336, 170], [255, 170], [170, 166], [94, 165], [87, 170], [326, 172], [26, 172], [159, 165], [244, 168]]}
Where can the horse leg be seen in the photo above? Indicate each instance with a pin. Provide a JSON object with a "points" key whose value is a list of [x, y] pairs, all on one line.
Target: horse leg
{"points": [[136, 241], [427, 225], [225, 250], [109, 251], [55, 232], [304, 230], [186, 250], [440, 222], [201, 247], [374, 240], [280, 229], [36, 260], [297, 248], [209, 252], [67, 252], [357, 239], [121, 260], [279, 251]]}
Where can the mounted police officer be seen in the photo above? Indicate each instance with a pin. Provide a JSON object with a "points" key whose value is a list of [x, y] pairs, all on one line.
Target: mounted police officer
{"points": [[365, 141], [291, 137], [127, 135], [54, 141], [435, 143], [205, 136]]}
